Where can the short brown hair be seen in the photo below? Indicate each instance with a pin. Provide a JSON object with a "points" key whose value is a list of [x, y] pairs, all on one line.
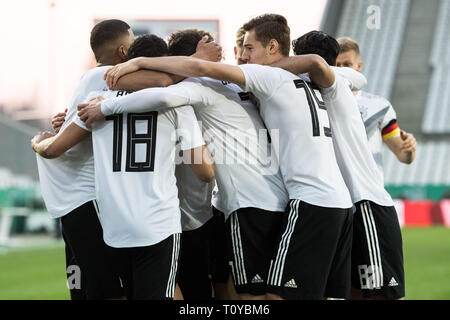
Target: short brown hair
{"points": [[240, 34], [271, 26], [348, 44]]}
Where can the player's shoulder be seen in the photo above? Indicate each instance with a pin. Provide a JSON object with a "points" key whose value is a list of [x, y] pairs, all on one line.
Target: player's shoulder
{"points": [[373, 98], [97, 72], [176, 112], [205, 82], [261, 68], [93, 79]]}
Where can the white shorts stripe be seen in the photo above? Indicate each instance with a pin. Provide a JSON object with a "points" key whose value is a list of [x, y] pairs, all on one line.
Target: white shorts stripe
{"points": [[281, 249], [277, 273], [377, 246], [372, 244], [241, 252], [237, 249], [238, 277], [233, 272], [170, 289], [273, 271], [96, 208], [366, 228]]}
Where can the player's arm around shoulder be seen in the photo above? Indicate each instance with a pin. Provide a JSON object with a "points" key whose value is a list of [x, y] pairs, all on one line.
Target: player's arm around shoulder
{"points": [[179, 65], [50, 146], [194, 67], [318, 69], [143, 79], [203, 169], [193, 145], [403, 146]]}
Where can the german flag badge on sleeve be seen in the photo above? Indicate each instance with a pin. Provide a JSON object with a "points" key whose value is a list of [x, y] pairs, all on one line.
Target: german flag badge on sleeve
{"points": [[391, 130]]}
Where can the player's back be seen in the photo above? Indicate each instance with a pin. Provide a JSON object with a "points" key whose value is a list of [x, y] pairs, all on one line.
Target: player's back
{"points": [[195, 197], [353, 155], [68, 181], [135, 173], [246, 170], [305, 149]]}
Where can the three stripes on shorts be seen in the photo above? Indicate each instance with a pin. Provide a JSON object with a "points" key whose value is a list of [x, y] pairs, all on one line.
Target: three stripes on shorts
{"points": [[170, 290], [238, 270], [277, 265], [372, 244]]}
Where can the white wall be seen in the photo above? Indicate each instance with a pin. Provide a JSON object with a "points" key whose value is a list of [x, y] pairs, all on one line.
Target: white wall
{"points": [[46, 47]]}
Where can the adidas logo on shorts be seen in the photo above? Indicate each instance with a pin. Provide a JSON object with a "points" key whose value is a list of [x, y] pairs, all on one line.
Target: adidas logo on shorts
{"points": [[257, 279], [290, 284], [393, 283]]}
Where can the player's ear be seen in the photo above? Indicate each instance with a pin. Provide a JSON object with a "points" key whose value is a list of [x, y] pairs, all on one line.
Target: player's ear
{"points": [[235, 51], [273, 46], [359, 66], [123, 53]]}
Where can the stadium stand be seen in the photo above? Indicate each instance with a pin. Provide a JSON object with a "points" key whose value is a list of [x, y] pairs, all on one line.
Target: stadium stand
{"points": [[19, 197], [16, 154], [380, 44], [428, 177], [19, 187], [407, 61], [437, 112]]}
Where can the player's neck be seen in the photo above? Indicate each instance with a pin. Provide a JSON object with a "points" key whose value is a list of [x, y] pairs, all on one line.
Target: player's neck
{"points": [[274, 59], [108, 61]]}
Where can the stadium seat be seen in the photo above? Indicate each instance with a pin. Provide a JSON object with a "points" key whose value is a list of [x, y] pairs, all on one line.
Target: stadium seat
{"points": [[380, 48], [437, 111]]}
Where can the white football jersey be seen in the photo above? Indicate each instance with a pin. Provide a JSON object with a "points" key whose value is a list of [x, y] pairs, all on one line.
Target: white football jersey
{"points": [[351, 147], [380, 121], [67, 182], [195, 198], [246, 170], [305, 146], [135, 161]]}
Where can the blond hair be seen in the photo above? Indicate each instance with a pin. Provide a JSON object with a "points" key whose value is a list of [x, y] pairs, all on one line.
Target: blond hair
{"points": [[240, 34], [348, 44]]}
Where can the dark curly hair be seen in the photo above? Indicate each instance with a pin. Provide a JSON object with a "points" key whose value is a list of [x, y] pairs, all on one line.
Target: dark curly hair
{"points": [[317, 42], [148, 45], [184, 42]]}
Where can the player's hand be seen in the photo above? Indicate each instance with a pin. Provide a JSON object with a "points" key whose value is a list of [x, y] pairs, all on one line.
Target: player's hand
{"points": [[92, 111], [58, 120], [409, 143], [39, 137], [210, 51], [112, 75]]}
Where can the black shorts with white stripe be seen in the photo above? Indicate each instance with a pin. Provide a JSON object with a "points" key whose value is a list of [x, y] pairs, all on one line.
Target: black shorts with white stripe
{"points": [[150, 273], [377, 254], [251, 239], [312, 258]]}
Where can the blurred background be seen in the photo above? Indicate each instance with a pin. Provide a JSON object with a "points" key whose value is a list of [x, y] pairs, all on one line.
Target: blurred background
{"points": [[405, 49]]}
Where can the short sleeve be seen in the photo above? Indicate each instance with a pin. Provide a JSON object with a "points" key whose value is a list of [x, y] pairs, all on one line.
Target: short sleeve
{"points": [[195, 91], [188, 130], [77, 119], [330, 93], [262, 81], [354, 79]]}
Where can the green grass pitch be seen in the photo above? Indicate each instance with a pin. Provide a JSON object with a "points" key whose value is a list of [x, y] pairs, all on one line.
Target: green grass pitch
{"points": [[39, 273]]}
